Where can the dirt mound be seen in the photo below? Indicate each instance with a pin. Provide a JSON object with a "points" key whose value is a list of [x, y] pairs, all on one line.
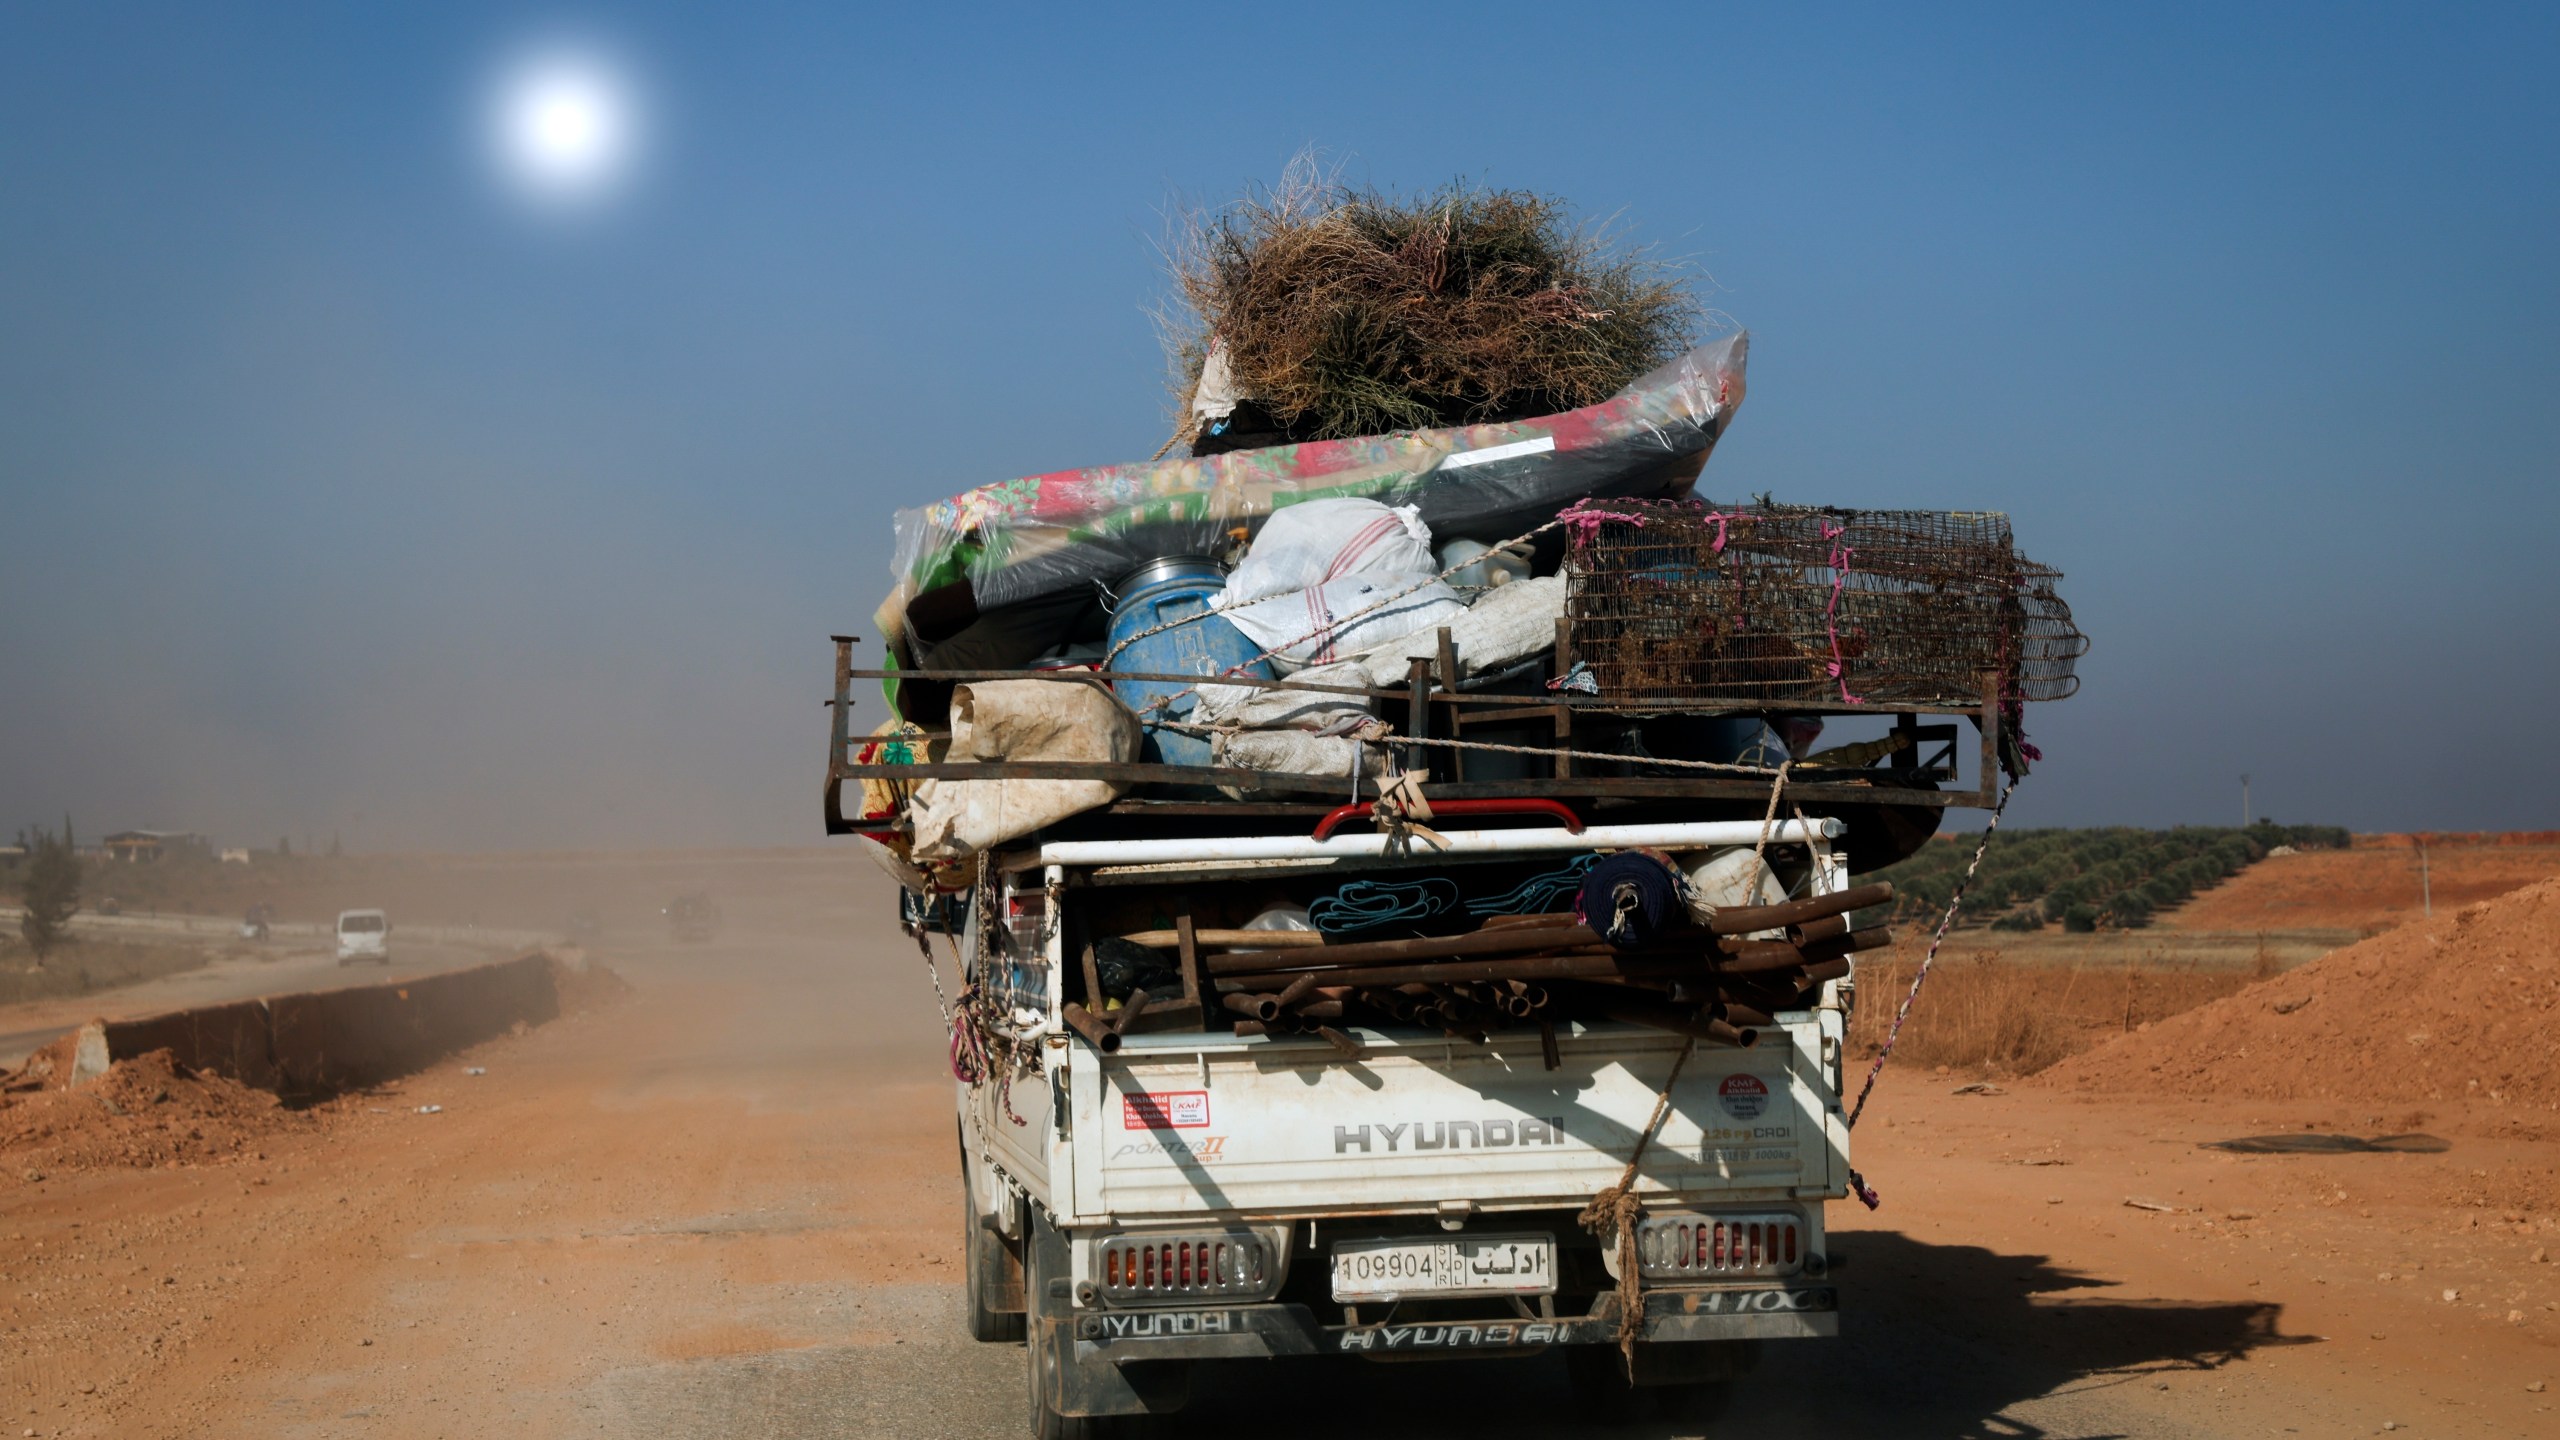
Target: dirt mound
{"points": [[2368, 889], [143, 1112], [2466, 1008]]}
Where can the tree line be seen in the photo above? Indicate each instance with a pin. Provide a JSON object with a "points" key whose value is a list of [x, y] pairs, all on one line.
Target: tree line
{"points": [[2082, 879]]}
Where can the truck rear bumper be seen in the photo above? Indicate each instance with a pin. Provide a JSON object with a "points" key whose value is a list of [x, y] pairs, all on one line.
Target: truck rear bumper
{"points": [[1258, 1331]]}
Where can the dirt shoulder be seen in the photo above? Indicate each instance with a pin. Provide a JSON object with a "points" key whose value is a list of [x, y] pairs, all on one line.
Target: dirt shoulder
{"points": [[606, 1195]]}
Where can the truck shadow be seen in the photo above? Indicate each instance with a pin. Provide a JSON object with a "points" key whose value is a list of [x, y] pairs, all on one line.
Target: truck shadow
{"points": [[1938, 1340]]}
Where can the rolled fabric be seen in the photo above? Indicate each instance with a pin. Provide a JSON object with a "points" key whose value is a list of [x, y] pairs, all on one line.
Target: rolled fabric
{"points": [[1631, 897]]}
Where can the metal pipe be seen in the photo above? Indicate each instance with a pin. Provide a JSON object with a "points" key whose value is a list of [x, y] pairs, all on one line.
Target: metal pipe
{"points": [[1396, 1005], [1517, 940], [1694, 835], [1129, 1011], [1756, 957], [1743, 919], [1637, 1009], [1552, 809], [1535, 967], [1082, 1021], [1874, 937], [1296, 992], [1508, 922], [1259, 939], [1265, 1008], [1351, 1049], [1822, 929]]}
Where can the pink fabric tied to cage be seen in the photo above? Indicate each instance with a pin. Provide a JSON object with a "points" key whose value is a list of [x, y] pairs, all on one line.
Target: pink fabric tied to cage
{"points": [[1840, 555], [1586, 521]]}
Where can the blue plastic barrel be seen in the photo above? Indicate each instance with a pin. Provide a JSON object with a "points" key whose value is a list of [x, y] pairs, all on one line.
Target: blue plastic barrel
{"points": [[1161, 591]]}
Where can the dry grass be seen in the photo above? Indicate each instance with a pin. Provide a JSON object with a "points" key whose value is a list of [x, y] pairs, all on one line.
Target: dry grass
{"points": [[1983, 1015], [81, 966], [1346, 312]]}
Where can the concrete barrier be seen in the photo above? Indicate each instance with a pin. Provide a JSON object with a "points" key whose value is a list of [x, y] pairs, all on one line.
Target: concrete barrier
{"points": [[227, 1039], [323, 1041]]}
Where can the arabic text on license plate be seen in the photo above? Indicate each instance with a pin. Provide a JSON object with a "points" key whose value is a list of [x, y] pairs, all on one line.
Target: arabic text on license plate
{"points": [[1473, 1264]]}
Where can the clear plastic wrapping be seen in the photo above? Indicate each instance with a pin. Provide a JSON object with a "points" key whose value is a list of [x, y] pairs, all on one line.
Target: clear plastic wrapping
{"points": [[1044, 534]]}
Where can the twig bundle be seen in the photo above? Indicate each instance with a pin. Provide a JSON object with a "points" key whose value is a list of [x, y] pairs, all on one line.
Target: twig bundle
{"points": [[1343, 312]]}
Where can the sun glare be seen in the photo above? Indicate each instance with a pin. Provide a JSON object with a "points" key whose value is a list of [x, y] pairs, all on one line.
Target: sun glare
{"points": [[564, 126]]}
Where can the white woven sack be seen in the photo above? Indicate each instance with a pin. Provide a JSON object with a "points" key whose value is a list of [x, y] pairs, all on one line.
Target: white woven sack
{"points": [[1254, 708], [1298, 752], [1325, 623], [1511, 622], [1308, 544]]}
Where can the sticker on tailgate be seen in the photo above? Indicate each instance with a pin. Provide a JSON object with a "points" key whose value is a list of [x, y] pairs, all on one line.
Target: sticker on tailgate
{"points": [[1164, 1110], [1744, 1097]]}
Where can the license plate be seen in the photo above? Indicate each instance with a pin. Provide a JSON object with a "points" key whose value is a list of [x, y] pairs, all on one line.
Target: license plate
{"points": [[1459, 1265]]}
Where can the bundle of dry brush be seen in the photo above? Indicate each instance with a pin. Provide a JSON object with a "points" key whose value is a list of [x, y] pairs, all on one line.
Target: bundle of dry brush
{"points": [[1343, 312]]}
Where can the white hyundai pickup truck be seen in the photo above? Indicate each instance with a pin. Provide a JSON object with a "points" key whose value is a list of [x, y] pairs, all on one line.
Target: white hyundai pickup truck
{"points": [[1193, 1195]]}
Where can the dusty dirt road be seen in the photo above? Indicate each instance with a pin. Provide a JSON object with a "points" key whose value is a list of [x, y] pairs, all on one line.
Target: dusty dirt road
{"points": [[727, 1207], [264, 968]]}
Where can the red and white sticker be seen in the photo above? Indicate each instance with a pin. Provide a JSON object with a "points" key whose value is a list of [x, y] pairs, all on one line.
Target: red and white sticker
{"points": [[1164, 1110], [1744, 1097]]}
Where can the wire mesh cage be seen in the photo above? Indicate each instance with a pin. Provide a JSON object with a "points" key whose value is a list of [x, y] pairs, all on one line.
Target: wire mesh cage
{"points": [[1676, 600]]}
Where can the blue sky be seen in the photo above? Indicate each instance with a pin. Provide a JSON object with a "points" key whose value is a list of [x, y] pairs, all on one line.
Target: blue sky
{"points": [[340, 492]]}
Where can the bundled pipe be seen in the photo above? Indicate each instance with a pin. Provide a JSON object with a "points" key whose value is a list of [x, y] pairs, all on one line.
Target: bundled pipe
{"points": [[1743, 919], [1568, 962], [1510, 940], [1707, 983]]}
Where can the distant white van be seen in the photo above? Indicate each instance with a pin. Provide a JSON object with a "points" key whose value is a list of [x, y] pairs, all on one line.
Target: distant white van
{"points": [[363, 935]]}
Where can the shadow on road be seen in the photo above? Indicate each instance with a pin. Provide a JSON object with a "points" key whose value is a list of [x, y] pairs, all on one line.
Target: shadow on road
{"points": [[1938, 1340]]}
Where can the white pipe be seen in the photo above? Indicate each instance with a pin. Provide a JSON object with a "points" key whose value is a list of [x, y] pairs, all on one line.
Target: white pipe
{"points": [[1696, 836]]}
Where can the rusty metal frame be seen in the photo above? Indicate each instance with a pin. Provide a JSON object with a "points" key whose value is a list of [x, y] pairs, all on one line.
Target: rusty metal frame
{"points": [[1564, 783]]}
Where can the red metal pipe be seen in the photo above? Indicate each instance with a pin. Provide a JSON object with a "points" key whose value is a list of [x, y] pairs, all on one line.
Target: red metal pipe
{"points": [[1458, 809]]}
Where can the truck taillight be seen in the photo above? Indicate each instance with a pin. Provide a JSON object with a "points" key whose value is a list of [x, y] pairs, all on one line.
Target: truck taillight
{"points": [[1154, 1269], [1715, 1247]]}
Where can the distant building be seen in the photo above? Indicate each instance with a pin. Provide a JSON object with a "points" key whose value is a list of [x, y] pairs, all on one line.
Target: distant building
{"points": [[135, 846], [236, 855]]}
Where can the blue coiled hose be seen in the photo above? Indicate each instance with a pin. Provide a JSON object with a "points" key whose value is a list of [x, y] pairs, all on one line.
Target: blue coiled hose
{"points": [[1540, 894], [1367, 904]]}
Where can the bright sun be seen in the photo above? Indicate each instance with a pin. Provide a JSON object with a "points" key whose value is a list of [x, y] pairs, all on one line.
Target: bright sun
{"points": [[563, 125]]}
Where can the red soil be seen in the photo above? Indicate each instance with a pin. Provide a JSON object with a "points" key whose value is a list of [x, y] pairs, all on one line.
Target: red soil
{"points": [[143, 1112], [2466, 1006], [2371, 887]]}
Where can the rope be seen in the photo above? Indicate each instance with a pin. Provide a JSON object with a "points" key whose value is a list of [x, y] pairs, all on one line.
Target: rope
{"points": [[1538, 894], [1365, 904], [1617, 1208], [1769, 821], [1549, 752], [1866, 1193]]}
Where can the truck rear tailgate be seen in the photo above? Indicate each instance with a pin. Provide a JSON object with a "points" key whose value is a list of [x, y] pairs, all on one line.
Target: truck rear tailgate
{"points": [[1171, 1125]]}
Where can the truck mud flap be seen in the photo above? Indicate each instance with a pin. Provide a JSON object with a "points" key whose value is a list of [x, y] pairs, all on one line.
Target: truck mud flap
{"points": [[1085, 1381]]}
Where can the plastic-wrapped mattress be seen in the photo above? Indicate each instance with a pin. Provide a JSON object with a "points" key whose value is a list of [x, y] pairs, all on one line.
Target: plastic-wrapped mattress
{"points": [[1046, 534]]}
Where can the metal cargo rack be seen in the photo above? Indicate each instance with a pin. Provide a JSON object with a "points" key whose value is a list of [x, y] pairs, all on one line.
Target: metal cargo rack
{"points": [[1433, 705]]}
